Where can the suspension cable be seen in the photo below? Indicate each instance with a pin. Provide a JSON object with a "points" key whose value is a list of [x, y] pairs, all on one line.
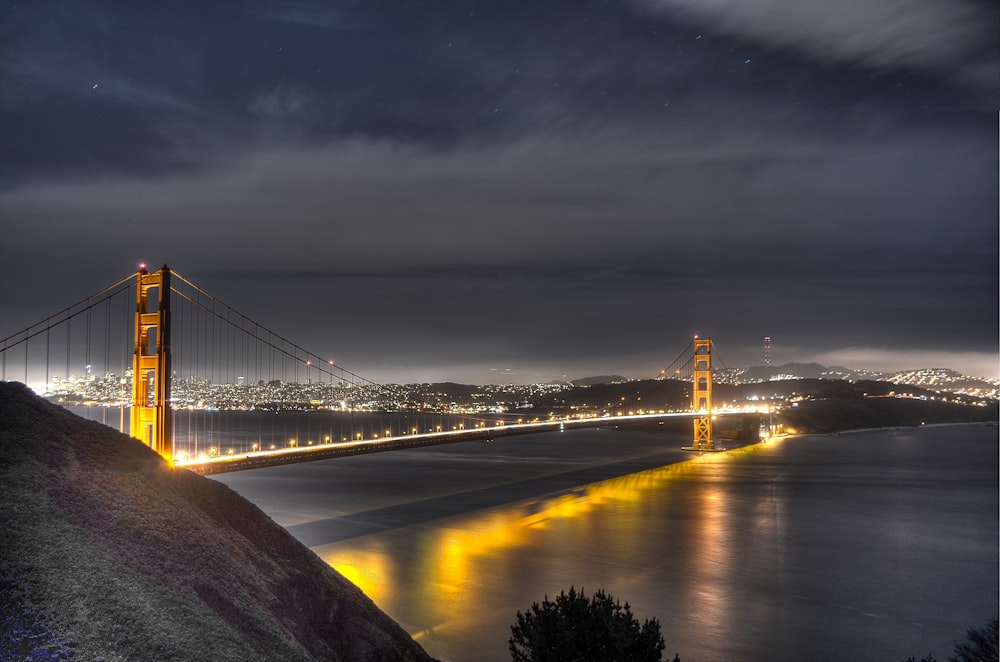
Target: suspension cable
{"points": [[230, 310], [62, 314]]}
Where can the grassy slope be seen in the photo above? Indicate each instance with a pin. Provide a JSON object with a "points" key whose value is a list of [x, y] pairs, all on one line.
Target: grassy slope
{"points": [[108, 553]]}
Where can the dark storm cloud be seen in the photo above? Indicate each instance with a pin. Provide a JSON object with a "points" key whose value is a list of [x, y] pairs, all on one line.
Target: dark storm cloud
{"points": [[555, 189]]}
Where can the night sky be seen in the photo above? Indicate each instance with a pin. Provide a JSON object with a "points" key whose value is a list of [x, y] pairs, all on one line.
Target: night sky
{"points": [[519, 191]]}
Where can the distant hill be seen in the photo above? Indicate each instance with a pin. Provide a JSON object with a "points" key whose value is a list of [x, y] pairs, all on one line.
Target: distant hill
{"points": [[837, 415], [934, 379], [108, 553], [763, 373], [600, 379]]}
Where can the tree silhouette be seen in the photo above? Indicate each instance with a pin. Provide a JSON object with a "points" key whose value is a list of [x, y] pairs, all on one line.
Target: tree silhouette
{"points": [[980, 645], [575, 628]]}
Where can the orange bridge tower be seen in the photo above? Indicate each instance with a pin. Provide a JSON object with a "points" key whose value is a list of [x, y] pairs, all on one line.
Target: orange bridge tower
{"points": [[152, 419], [701, 396]]}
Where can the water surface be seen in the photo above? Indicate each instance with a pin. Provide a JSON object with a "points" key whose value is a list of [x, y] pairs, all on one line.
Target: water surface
{"points": [[867, 546]]}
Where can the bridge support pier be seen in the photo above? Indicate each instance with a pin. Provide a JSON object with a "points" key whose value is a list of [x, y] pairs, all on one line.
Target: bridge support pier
{"points": [[152, 419]]}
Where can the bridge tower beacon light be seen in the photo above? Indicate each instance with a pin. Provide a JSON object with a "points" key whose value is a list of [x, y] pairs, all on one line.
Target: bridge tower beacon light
{"points": [[701, 394], [152, 418]]}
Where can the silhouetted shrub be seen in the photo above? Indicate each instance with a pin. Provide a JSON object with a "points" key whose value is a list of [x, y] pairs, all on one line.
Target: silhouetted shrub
{"points": [[980, 645], [575, 628]]}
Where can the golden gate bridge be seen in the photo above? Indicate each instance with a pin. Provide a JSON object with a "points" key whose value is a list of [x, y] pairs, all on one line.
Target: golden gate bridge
{"points": [[203, 385]]}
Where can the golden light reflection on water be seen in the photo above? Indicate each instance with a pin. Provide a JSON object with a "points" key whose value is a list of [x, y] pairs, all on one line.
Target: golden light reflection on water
{"points": [[719, 548], [706, 599], [369, 570], [432, 577], [446, 561]]}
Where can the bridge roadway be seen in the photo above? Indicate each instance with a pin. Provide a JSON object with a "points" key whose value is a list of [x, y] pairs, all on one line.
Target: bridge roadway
{"points": [[270, 458]]}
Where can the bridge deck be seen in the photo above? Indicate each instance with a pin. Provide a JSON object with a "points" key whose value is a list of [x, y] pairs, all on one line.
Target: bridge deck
{"points": [[260, 459]]}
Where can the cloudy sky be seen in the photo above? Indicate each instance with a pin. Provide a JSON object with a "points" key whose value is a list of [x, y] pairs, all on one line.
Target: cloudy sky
{"points": [[518, 191]]}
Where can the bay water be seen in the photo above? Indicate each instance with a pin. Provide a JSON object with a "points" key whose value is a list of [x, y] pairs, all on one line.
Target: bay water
{"points": [[873, 545]]}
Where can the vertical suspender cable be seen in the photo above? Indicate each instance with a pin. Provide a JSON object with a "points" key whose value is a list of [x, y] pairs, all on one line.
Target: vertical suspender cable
{"points": [[86, 357], [69, 344]]}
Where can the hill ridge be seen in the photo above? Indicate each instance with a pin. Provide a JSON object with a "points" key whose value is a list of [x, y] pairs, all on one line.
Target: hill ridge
{"points": [[110, 553]]}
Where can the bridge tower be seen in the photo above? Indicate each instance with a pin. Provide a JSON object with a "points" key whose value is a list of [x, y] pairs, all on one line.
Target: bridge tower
{"points": [[152, 418], [701, 395]]}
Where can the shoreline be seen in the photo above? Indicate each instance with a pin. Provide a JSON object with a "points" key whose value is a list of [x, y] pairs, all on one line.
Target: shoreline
{"points": [[917, 427]]}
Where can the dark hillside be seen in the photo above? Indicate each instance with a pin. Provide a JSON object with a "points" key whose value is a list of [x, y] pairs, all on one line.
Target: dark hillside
{"points": [[107, 553], [835, 415]]}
